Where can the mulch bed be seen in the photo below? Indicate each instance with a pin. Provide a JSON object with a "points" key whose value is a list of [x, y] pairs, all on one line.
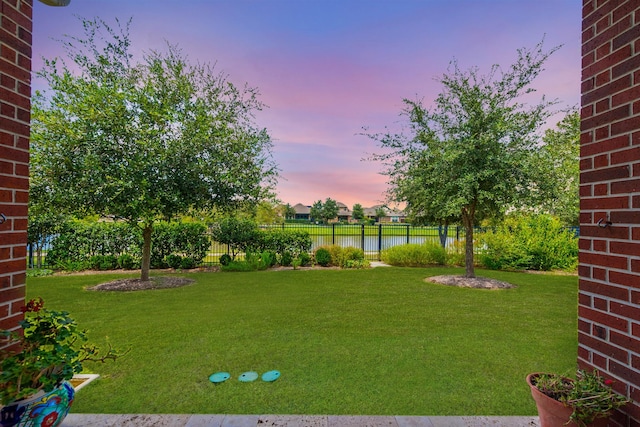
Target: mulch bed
{"points": [[160, 282], [467, 282]]}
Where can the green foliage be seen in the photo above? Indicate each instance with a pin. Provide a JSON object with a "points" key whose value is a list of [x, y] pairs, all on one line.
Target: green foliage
{"points": [[240, 234], [471, 156], [415, 255], [335, 255], [323, 256], [559, 161], [225, 259], [173, 261], [52, 349], [102, 245], [286, 259], [533, 242], [39, 272], [357, 212], [187, 263], [127, 262], [103, 262], [589, 394], [304, 258], [280, 241], [324, 212], [144, 141]]}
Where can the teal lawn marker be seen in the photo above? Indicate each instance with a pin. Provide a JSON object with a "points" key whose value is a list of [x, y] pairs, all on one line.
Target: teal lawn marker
{"points": [[270, 376], [219, 377], [247, 377]]}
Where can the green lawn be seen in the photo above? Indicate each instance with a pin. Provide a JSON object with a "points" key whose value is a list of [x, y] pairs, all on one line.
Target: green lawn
{"points": [[376, 341]]}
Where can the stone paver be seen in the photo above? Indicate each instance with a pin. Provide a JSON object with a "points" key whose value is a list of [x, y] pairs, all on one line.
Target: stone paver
{"points": [[185, 420]]}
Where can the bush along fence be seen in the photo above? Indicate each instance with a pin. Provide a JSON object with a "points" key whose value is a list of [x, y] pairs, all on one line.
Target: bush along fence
{"points": [[107, 245]]}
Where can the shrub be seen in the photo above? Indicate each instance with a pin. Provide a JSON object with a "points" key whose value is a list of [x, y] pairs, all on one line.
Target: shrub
{"points": [[103, 262], [280, 241], [351, 257], [187, 263], [225, 259], [456, 253], [323, 256], [39, 272], [305, 259], [533, 242], [241, 235], [286, 259], [235, 266], [336, 255], [357, 263], [127, 262], [415, 255], [173, 261]]}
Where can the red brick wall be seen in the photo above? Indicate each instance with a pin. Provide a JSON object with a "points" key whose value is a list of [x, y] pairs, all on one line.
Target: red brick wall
{"points": [[15, 106], [609, 299]]}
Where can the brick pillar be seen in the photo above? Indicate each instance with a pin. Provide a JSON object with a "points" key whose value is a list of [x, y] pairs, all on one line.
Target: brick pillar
{"points": [[609, 297], [15, 107]]}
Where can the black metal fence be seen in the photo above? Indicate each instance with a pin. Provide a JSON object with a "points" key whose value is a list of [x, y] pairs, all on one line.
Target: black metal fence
{"points": [[372, 239]]}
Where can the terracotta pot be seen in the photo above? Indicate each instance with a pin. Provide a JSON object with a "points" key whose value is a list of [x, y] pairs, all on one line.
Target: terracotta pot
{"points": [[40, 410], [553, 413]]}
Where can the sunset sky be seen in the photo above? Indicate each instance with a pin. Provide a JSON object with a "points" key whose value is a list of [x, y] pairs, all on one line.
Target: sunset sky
{"points": [[328, 68]]}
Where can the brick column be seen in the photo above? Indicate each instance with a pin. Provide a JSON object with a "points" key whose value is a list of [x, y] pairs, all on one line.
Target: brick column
{"points": [[609, 297], [15, 107]]}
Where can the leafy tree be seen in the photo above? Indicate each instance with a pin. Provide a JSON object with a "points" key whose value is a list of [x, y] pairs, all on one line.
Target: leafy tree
{"points": [[240, 234], [315, 213], [144, 141], [289, 212], [329, 210], [380, 213], [470, 155], [357, 212], [560, 163], [268, 213]]}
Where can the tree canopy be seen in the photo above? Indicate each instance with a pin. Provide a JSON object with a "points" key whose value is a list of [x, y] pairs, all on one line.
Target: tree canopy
{"points": [[147, 140], [469, 156]]}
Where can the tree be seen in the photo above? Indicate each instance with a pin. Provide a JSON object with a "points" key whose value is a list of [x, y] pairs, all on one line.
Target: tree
{"points": [[560, 163], [315, 213], [357, 212], [329, 210], [145, 141], [380, 213], [470, 156], [268, 213], [289, 212]]}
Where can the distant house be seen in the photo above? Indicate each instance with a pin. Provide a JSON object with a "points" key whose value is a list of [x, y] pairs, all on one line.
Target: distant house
{"points": [[390, 215], [344, 214], [302, 211]]}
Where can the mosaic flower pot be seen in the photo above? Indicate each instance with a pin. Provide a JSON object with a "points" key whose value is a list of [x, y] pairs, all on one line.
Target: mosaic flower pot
{"points": [[553, 413], [40, 410]]}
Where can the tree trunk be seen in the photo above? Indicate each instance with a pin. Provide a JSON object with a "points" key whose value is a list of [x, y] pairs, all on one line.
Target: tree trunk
{"points": [[146, 252], [468, 218]]}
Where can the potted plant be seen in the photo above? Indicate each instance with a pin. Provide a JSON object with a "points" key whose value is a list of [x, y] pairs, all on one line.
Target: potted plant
{"points": [[587, 400], [34, 390]]}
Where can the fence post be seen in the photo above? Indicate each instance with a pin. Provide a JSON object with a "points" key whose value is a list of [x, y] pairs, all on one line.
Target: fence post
{"points": [[362, 238], [407, 234], [333, 233], [379, 240], [30, 255]]}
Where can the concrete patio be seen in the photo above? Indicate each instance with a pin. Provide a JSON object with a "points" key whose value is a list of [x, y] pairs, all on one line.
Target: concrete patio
{"points": [[133, 420]]}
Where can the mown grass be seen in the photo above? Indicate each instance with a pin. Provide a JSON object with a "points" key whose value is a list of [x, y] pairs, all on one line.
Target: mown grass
{"points": [[377, 341]]}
